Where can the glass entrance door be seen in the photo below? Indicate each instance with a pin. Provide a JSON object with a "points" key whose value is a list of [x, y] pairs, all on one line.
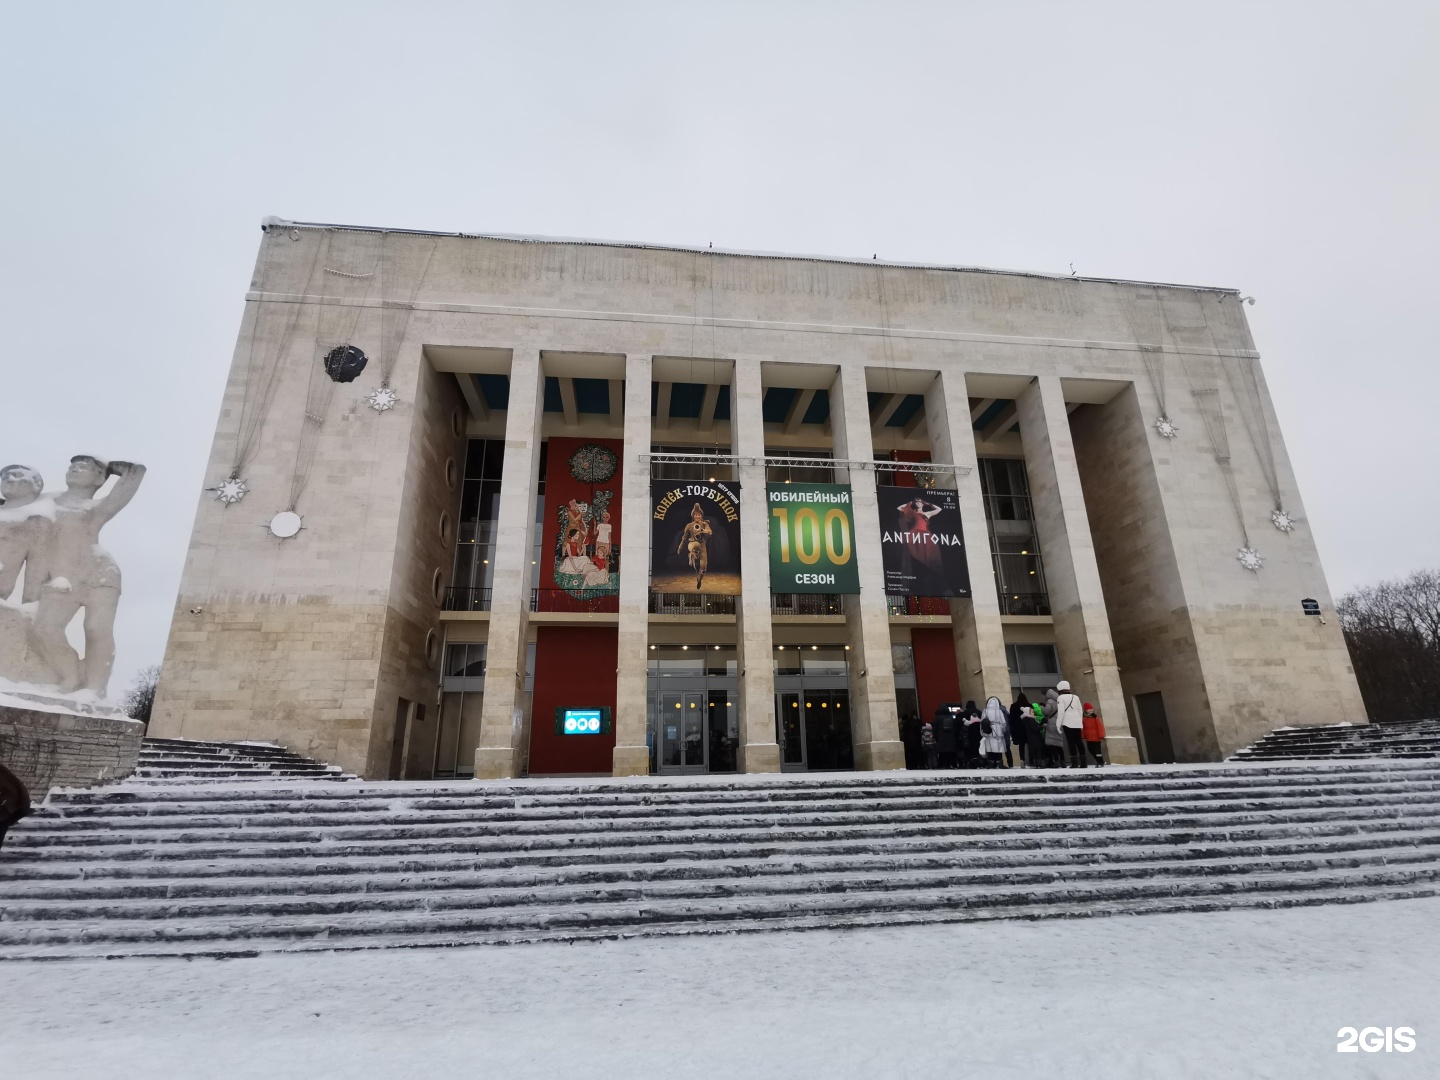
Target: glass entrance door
{"points": [[682, 731], [814, 730]]}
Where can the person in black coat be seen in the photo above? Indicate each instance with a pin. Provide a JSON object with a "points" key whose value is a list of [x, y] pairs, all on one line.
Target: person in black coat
{"points": [[910, 736], [972, 735], [14, 800], [947, 735], [1018, 711]]}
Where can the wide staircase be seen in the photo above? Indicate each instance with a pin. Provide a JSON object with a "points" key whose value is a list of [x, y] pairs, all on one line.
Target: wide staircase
{"points": [[167, 761], [236, 869], [1413, 739]]}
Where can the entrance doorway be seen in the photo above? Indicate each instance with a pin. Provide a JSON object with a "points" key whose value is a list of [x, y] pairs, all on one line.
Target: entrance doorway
{"points": [[696, 731], [692, 723], [813, 729], [1154, 729]]}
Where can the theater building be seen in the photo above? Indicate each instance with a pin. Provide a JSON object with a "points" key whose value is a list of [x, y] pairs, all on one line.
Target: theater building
{"points": [[503, 506]]}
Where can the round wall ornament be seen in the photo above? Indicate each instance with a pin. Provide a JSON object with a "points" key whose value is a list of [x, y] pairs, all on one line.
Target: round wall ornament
{"points": [[593, 463], [231, 490], [1250, 559], [382, 399], [1166, 427], [285, 524], [344, 362], [1282, 520]]}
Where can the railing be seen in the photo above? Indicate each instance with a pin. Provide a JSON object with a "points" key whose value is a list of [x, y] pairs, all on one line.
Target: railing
{"points": [[1012, 603], [563, 600], [918, 605], [682, 603], [1020, 582], [458, 599], [807, 604]]}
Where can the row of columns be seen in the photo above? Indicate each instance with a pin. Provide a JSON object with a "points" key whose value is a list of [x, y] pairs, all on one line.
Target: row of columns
{"points": [[1081, 626]]}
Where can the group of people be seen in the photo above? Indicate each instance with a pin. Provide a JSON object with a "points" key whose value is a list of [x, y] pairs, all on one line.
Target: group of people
{"points": [[1058, 732]]}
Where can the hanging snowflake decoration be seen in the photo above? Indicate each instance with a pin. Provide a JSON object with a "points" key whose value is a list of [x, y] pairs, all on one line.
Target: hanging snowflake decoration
{"points": [[593, 464], [231, 491], [1166, 427], [1282, 520], [382, 399], [1250, 559]]}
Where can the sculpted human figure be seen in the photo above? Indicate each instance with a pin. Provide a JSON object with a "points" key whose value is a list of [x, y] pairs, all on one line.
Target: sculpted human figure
{"points": [[26, 530], [22, 531], [78, 573]]}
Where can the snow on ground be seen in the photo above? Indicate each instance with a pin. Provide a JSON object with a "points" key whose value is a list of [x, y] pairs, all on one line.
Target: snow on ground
{"points": [[1227, 994]]}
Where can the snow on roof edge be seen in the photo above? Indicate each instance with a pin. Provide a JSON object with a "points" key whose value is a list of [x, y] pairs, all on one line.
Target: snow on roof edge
{"points": [[518, 238]]}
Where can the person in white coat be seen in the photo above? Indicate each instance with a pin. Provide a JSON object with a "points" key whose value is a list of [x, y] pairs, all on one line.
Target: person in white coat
{"points": [[994, 733], [1070, 716]]}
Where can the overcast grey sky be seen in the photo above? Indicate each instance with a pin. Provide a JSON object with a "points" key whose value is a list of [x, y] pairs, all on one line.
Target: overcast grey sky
{"points": [[1289, 150]]}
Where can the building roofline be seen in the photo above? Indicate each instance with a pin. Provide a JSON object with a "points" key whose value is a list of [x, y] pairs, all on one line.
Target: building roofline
{"points": [[273, 222]]}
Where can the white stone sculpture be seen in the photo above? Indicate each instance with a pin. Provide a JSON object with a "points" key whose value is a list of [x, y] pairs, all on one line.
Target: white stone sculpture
{"points": [[55, 538]]}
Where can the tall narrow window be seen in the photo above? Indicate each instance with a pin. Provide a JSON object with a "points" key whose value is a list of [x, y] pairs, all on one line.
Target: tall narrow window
{"points": [[1014, 548], [475, 533]]}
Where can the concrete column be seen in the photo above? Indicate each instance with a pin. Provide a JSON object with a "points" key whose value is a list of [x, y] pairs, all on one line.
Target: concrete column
{"points": [[754, 647], [874, 720], [1072, 577], [501, 718], [975, 623], [631, 755]]}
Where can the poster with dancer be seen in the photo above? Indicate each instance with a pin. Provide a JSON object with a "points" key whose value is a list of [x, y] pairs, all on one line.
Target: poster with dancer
{"points": [[922, 542], [695, 537], [582, 521]]}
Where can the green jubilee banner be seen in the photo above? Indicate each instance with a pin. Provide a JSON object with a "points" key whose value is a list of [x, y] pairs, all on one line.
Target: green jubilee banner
{"points": [[812, 539]]}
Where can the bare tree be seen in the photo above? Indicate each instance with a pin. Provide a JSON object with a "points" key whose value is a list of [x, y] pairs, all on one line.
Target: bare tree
{"points": [[140, 698], [1393, 631]]}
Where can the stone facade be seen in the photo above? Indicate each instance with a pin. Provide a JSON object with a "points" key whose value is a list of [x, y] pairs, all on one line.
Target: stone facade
{"points": [[48, 749], [314, 641]]}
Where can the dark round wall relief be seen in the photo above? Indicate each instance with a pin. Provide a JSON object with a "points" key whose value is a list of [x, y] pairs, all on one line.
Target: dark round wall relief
{"points": [[344, 362]]}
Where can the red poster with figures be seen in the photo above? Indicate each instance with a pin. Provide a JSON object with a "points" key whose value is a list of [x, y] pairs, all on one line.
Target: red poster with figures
{"points": [[580, 555]]}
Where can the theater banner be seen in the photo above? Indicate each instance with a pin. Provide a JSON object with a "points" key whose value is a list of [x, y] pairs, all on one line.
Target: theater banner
{"points": [[812, 538], [582, 524], [695, 537], [922, 543]]}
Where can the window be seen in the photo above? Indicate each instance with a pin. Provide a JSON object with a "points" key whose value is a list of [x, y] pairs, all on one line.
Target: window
{"points": [[1034, 668], [1014, 550], [820, 473], [691, 470], [475, 534]]}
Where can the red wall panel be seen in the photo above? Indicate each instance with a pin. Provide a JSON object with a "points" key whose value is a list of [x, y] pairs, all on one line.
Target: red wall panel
{"points": [[936, 680], [574, 669]]}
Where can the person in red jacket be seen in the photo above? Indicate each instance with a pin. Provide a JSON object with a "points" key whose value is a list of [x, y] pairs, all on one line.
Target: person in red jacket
{"points": [[1092, 730]]}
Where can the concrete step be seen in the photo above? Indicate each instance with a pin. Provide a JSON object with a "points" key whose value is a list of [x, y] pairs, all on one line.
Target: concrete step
{"points": [[140, 818], [339, 828], [826, 904], [25, 899], [229, 867], [376, 861]]}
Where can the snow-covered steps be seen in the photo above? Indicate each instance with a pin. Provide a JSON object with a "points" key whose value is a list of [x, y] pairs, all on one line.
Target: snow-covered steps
{"points": [[214, 868], [166, 761], [1415, 739]]}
